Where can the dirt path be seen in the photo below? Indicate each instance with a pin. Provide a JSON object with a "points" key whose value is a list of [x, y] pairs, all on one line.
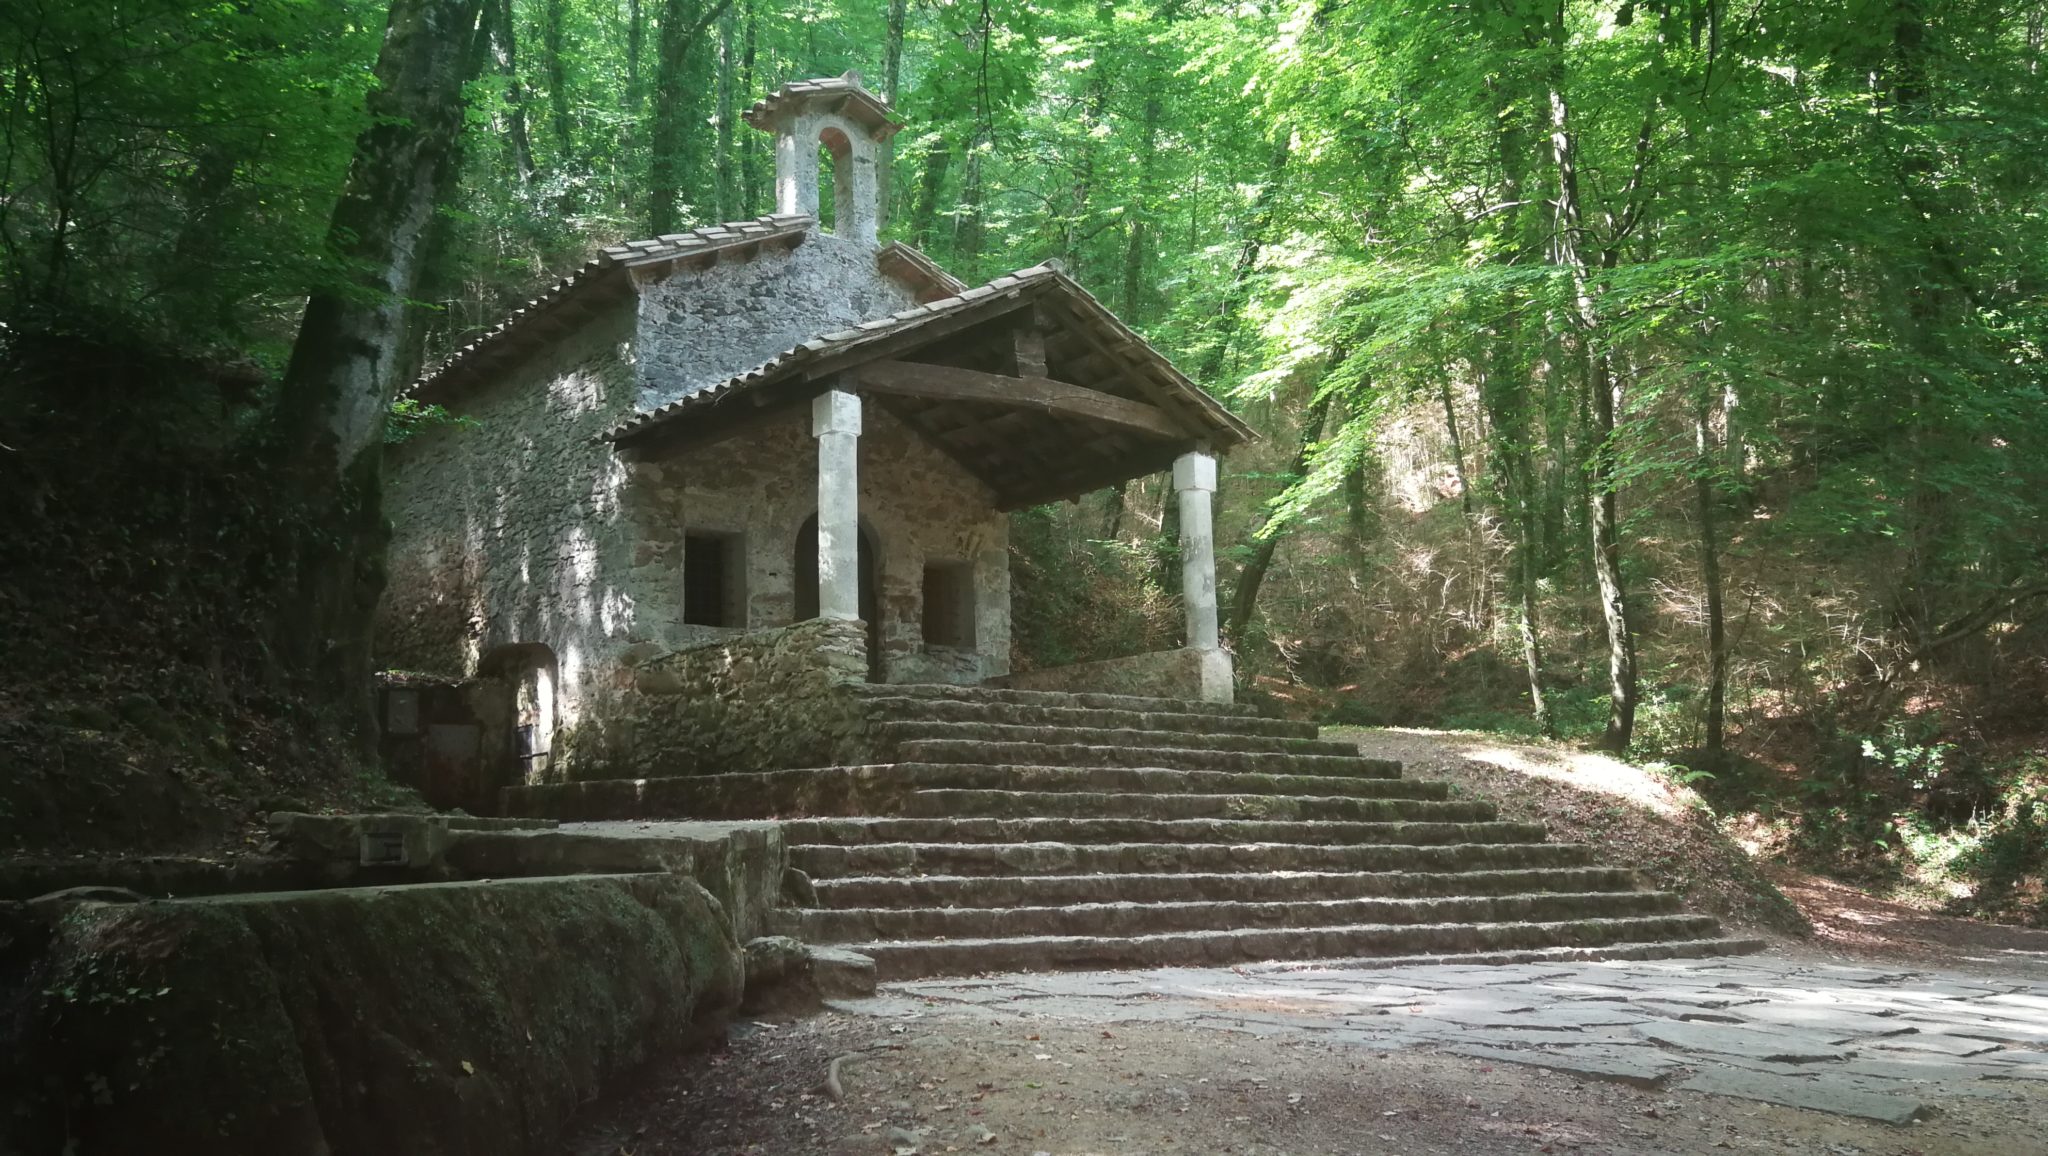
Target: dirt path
{"points": [[1861, 926]]}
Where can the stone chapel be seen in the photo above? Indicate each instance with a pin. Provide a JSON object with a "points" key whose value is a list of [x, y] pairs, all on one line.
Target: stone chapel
{"points": [[774, 445], [722, 536]]}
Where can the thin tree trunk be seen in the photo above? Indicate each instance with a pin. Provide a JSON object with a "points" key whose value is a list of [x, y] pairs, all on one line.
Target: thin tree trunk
{"points": [[1244, 597], [1443, 389], [1704, 470], [892, 91], [505, 52], [722, 159], [343, 370], [1113, 511], [1136, 214], [1603, 515], [970, 228], [1095, 107], [1357, 518], [555, 42], [1264, 212], [750, 148], [924, 218]]}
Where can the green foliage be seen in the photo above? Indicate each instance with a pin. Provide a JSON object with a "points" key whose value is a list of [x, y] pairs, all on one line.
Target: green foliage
{"points": [[409, 417]]}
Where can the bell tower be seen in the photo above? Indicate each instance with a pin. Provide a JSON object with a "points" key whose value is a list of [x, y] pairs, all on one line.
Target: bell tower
{"points": [[852, 124]]}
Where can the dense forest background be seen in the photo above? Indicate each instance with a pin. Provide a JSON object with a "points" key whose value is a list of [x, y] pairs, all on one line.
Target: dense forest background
{"points": [[1664, 375]]}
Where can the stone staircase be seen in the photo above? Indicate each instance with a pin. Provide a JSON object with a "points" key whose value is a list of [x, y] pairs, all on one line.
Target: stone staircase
{"points": [[1019, 830]]}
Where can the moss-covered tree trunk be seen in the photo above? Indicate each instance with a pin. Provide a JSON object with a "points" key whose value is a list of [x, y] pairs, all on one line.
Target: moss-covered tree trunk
{"points": [[345, 364]]}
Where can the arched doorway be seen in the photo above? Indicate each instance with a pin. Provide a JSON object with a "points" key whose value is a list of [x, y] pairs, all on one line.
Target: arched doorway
{"points": [[806, 570]]}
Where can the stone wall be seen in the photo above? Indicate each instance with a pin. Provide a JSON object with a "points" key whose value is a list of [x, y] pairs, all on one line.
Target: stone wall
{"points": [[766, 700], [917, 506], [435, 1019], [699, 327], [521, 537], [1195, 675], [509, 528]]}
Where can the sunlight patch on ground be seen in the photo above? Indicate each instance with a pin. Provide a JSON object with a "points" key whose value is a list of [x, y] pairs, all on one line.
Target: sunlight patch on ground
{"points": [[1583, 769]]}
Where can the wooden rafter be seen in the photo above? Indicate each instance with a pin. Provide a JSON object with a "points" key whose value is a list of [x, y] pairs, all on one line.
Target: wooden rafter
{"points": [[947, 383]]}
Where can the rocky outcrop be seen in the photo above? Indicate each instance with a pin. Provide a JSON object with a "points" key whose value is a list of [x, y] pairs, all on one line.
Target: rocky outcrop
{"points": [[439, 1018]]}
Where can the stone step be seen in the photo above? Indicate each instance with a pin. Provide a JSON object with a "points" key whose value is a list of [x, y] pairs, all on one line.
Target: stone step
{"points": [[881, 789], [819, 925], [1655, 949], [907, 959], [823, 861], [1055, 698], [852, 831], [903, 708], [954, 803], [899, 732], [1269, 886], [1175, 758]]}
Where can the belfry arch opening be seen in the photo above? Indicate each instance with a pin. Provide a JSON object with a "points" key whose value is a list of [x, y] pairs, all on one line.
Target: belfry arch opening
{"points": [[835, 170]]}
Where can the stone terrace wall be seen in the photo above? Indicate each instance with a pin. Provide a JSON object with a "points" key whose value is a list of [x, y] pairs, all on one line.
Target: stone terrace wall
{"points": [[763, 701], [1194, 675]]}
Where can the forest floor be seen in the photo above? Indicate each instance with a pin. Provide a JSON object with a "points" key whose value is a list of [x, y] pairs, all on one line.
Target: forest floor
{"points": [[937, 1071]]}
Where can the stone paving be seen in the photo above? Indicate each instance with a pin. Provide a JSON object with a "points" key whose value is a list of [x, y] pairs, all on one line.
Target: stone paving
{"points": [[1867, 1042]]}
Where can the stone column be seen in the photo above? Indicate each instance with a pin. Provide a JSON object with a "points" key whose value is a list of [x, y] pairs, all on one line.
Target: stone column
{"points": [[835, 422], [796, 168], [1194, 480]]}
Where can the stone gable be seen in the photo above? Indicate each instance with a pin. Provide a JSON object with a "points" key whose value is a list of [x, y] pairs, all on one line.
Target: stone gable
{"points": [[699, 327]]}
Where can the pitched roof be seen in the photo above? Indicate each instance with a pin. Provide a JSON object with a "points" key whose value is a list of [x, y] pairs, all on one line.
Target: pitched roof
{"points": [[825, 353], [842, 94], [602, 278]]}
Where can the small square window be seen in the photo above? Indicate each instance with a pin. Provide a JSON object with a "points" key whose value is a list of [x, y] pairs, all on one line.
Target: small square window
{"points": [[401, 712], [714, 580], [949, 604]]}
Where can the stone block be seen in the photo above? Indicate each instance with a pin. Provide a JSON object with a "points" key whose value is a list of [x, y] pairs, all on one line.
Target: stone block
{"points": [[1640, 1066], [1814, 1093], [437, 1019]]}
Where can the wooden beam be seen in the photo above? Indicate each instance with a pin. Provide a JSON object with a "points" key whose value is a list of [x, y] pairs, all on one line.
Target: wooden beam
{"points": [[945, 383], [1073, 485]]}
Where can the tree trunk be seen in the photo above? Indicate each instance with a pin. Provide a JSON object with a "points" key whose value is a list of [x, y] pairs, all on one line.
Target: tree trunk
{"points": [[970, 228], [683, 23], [1136, 214], [1231, 308], [750, 147], [505, 52], [892, 91], [924, 218], [1244, 597], [1357, 518], [722, 158], [342, 375], [555, 42], [1603, 516], [1704, 470]]}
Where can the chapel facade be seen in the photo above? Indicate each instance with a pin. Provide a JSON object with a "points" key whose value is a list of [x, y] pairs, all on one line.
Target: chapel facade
{"points": [[711, 476]]}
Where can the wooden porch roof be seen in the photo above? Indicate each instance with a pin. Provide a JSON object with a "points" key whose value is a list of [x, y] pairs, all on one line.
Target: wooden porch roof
{"points": [[1029, 382]]}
